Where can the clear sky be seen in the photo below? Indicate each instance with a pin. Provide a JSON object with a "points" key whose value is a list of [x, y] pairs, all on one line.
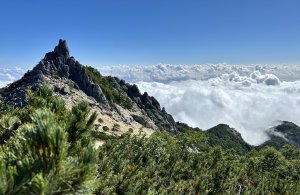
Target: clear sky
{"points": [[129, 32]]}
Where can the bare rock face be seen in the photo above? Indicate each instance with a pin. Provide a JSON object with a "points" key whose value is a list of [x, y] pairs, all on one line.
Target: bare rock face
{"points": [[63, 90], [141, 120]]}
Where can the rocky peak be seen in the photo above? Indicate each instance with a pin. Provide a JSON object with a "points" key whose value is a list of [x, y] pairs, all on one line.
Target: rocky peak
{"points": [[58, 66], [61, 50]]}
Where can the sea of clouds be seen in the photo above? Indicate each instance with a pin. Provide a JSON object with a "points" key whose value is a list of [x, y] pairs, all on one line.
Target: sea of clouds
{"points": [[249, 98], [166, 72], [8, 75]]}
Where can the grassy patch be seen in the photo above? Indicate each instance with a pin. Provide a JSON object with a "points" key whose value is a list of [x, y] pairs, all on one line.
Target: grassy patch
{"points": [[102, 136], [112, 94]]}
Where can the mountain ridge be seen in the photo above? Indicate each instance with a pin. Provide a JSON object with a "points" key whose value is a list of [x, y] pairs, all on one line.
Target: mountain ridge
{"points": [[66, 76]]}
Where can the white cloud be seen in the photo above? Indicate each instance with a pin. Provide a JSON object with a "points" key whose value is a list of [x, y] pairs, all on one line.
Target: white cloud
{"points": [[166, 72], [250, 98], [250, 109], [9, 75], [4, 83]]}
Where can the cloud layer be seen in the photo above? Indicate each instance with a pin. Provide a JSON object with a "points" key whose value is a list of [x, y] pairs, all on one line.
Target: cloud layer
{"points": [[166, 72], [9, 75], [250, 98], [249, 109]]}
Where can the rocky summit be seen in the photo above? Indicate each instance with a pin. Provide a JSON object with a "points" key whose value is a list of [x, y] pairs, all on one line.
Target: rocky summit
{"points": [[117, 102]]}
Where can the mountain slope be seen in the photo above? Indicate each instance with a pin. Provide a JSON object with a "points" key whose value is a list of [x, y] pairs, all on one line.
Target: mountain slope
{"points": [[227, 138], [117, 101], [282, 134]]}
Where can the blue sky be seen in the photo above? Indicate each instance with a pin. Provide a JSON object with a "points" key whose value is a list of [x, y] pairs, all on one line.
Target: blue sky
{"points": [[149, 32]]}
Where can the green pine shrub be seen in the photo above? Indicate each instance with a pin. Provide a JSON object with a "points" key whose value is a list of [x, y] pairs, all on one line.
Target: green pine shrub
{"points": [[40, 155]]}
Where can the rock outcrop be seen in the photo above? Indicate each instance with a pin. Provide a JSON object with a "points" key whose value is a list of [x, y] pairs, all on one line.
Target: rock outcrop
{"points": [[56, 64]]}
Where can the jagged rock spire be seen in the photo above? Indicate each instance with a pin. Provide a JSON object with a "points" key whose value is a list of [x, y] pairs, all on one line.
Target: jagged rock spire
{"points": [[62, 49]]}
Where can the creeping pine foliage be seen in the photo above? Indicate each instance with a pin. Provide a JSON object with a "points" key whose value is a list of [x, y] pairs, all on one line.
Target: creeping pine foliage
{"points": [[47, 149], [162, 164], [37, 153]]}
